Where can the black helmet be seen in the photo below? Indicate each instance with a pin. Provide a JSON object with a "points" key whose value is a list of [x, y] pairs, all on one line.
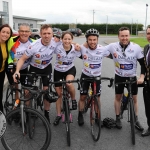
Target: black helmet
{"points": [[57, 34], [51, 96], [91, 32], [109, 123]]}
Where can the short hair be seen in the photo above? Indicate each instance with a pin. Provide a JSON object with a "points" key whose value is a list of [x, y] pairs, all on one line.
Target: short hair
{"points": [[147, 28], [123, 28], [45, 26], [67, 32], [24, 24], [6, 25]]}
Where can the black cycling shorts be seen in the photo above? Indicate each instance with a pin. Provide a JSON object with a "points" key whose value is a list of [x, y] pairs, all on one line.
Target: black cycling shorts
{"points": [[45, 71], [85, 86], [60, 75], [120, 87], [22, 78]]}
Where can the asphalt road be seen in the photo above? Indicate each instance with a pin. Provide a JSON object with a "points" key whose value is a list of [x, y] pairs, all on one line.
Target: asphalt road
{"points": [[111, 139]]}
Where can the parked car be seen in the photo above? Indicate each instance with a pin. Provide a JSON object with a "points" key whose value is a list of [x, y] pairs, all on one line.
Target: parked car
{"points": [[35, 33], [75, 31], [15, 33], [57, 30]]}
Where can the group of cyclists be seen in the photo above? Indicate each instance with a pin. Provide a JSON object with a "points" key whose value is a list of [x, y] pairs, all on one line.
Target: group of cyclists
{"points": [[24, 51]]}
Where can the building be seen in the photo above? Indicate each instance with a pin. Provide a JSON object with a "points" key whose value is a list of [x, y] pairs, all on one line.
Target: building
{"points": [[33, 22], [6, 12]]}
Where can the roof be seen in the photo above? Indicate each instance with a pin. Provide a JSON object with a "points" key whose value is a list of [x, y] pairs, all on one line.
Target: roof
{"points": [[3, 13], [28, 18]]}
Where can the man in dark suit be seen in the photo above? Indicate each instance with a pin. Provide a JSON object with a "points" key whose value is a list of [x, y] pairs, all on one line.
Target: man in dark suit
{"points": [[146, 89]]}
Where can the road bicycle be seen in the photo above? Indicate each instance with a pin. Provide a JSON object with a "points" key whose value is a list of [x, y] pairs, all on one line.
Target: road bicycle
{"points": [[129, 106], [3, 124], [92, 103], [30, 130], [66, 110]]}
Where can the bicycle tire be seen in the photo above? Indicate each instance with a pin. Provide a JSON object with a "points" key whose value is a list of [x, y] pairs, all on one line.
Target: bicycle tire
{"points": [[95, 119], [9, 102], [67, 121], [132, 121], [14, 136], [41, 98]]}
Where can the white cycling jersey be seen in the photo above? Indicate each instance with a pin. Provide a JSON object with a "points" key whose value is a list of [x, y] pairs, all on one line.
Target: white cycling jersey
{"points": [[92, 60], [40, 54], [125, 64], [64, 61], [19, 52]]}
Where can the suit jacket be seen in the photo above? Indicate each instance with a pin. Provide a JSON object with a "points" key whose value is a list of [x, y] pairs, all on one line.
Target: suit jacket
{"points": [[146, 48]]}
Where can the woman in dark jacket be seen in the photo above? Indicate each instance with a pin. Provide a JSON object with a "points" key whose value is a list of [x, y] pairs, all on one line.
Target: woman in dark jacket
{"points": [[5, 34]]}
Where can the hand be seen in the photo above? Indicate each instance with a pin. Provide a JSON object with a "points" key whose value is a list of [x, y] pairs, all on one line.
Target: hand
{"points": [[77, 47], [140, 80], [14, 76]]}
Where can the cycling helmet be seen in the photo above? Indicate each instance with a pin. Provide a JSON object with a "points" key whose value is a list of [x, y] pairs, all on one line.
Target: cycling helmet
{"points": [[91, 32], [51, 96], [57, 34], [109, 123]]}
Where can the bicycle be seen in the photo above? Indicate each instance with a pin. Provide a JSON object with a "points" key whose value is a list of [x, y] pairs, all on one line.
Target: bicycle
{"points": [[32, 128], [92, 102], [66, 110], [129, 106], [3, 125]]}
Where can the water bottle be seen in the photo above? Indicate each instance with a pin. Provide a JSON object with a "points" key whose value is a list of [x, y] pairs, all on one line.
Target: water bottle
{"points": [[90, 91]]}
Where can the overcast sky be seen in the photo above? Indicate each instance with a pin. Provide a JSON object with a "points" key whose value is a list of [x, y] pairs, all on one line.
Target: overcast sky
{"points": [[81, 11]]}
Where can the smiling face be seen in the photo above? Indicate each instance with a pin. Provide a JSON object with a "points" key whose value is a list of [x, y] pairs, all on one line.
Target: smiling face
{"points": [[67, 40], [92, 41], [5, 33], [46, 35], [124, 37], [24, 33]]}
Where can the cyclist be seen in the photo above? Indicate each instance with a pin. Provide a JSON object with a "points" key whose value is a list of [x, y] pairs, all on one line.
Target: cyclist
{"points": [[57, 36], [18, 46], [5, 35], [41, 54], [125, 55], [64, 67], [92, 56]]}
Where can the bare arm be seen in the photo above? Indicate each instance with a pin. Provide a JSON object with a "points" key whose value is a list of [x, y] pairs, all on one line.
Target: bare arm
{"points": [[19, 65]]}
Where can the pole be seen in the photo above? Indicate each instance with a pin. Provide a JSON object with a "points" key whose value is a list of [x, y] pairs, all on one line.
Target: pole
{"points": [[106, 25], [137, 28], [93, 16], [146, 17], [131, 26]]}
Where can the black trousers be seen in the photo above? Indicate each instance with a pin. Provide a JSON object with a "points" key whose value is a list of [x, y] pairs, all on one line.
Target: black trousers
{"points": [[146, 96], [2, 77]]}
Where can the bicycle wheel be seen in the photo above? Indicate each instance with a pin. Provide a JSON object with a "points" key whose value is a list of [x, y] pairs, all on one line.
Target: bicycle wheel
{"points": [[95, 119], [132, 121], [14, 138], [67, 121], [10, 98]]}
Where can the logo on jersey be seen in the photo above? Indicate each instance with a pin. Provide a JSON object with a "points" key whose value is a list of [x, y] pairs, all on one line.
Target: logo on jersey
{"points": [[86, 64], [73, 52], [44, 62], [94, 66], [98, 52], [130, 51], [60, 62], [117, 64], [15, 60], [126, 66], [37, 55], [20, 53], [46, 55], [37, 61], [30, 47], [67, 63], [118, 72], [96, 72], [95, 58]]}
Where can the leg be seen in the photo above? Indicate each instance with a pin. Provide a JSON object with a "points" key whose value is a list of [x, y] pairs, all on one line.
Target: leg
{"points": [[146, 97], [58, 105]]}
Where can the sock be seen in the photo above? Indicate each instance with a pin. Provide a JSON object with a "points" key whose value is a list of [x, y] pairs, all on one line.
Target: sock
{"points": [[80, 112], [46, 113], [117, 116], [59, 115]]}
